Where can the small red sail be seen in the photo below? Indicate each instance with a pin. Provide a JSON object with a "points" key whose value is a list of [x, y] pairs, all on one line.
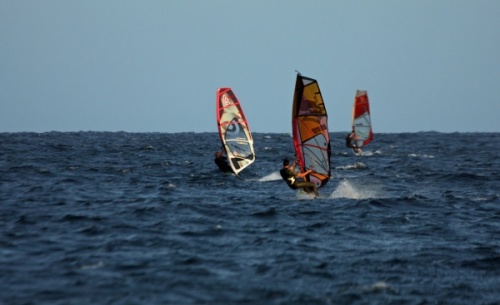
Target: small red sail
{"points": [[361, 119]]}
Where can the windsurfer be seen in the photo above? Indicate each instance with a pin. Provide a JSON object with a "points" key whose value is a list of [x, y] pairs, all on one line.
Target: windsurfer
{"points": [[350, 141], [221, 162], [290, 176]]}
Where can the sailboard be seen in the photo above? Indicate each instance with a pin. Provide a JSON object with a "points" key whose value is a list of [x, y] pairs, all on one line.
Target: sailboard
{"points": [[234, 132], [361, 120], [310, 130]]}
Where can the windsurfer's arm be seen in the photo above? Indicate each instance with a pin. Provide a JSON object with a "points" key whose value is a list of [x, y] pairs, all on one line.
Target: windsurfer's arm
{"points": [[302, 175]]}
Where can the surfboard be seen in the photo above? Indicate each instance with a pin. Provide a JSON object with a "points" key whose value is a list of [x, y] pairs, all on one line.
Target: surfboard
{"points": [[234, 131], [361, 119], [310, 130]]}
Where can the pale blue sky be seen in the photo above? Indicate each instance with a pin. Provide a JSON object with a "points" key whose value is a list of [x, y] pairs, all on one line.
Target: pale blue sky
{"points": [[155, 66]]}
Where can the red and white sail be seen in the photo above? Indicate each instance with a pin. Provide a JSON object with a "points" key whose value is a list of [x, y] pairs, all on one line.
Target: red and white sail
{"points": [[361, 119], [233, 130]]}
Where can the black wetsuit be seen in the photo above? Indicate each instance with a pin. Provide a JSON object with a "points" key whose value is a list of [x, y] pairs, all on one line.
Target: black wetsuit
{"points": [[223, 165], [348, 141], [289, 177]]}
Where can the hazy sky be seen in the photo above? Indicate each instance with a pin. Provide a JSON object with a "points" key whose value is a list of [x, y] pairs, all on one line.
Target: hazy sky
{"points": [[155, 66]]}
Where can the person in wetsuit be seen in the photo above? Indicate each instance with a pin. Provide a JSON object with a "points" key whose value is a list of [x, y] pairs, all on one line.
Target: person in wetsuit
{"points": [[350, 141], [290, 176], [221, 162]]}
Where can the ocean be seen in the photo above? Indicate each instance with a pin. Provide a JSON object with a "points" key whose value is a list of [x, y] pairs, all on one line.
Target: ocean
{"points": [[147, 218]]}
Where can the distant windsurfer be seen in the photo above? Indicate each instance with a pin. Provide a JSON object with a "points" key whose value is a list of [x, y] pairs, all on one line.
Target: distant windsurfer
{"points": [[221, 162], [290, 176], [350, 141]]}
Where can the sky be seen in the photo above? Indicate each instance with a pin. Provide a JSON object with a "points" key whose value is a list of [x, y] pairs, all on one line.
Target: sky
{"points": [[155, 65]]}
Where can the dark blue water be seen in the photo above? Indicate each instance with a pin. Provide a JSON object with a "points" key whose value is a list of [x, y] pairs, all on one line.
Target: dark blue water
{"points": [[146, 218]]}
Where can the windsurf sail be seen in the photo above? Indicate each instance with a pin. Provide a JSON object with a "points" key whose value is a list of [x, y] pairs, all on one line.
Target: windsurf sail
{"points": [[234, 132], [361, 120], [310, 130]]}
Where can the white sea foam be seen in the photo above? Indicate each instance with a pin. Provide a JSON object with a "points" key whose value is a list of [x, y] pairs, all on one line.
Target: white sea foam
{"points": [[421, 156], [380, 286], [169, 186], [351, 166], [353, 190], [271, 177], [93, 266], [300, 195], [366, 153]]}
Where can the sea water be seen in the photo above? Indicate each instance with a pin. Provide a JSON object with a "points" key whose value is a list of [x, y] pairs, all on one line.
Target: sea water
{"points": [[147, 218]]}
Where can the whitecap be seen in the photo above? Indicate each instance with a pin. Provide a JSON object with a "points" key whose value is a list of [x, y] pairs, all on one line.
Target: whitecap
{"points": [[353, 190], [93, 266], [351, 166], [271, 177]]}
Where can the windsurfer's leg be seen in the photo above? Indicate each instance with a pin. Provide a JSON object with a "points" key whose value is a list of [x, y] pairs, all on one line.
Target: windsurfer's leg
{"points": [[308, 187], [315, 190]]}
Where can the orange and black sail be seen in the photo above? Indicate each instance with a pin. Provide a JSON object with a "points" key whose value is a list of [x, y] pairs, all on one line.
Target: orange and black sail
{"points": [[310, 130]]}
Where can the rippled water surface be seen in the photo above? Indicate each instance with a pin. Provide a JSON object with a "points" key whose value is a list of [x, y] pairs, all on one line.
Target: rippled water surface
{"points": [[146, 218]]}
